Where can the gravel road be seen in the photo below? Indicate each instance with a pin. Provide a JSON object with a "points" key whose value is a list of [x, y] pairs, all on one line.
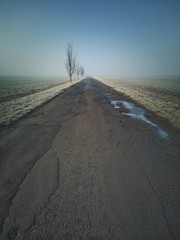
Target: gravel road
{"points": [[77, 168]]}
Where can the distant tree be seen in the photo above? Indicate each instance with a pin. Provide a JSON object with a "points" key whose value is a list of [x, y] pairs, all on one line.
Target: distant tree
{"points": [[78, 69], [71, 59], [82, 71]]}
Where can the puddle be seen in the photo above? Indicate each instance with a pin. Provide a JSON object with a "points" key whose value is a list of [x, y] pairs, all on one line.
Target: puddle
{"points": [[116, 104], [138, 113]]}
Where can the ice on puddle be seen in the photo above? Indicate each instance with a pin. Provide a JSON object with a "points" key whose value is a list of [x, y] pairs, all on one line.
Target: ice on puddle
{"points": [[138, 113]]}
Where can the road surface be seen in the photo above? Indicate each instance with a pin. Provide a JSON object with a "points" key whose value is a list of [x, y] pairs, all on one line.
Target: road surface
{"points": [[77, 168]]}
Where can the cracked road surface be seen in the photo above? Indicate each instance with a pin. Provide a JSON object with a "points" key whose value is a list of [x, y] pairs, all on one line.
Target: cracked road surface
{"points": [[76, 168]]}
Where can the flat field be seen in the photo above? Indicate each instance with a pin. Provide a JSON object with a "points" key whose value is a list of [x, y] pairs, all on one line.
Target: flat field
{"points": [[161, 96]]}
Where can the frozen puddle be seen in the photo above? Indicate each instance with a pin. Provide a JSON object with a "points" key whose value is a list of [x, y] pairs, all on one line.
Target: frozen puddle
{"points": [[138, 113]]}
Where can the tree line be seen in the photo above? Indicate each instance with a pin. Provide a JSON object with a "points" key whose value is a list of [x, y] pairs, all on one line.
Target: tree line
{"points": [[72, 66]]}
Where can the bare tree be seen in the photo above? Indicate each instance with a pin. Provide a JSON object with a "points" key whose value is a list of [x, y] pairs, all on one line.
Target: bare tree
{"points": [[71, 59], [82, 71], [78, 69]]}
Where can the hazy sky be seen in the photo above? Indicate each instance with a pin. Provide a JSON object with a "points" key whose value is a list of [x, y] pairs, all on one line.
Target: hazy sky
{"points": [[112, 37]]}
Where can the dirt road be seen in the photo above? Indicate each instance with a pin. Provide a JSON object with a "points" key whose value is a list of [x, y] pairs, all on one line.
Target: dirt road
{"points": [[77, 168]]}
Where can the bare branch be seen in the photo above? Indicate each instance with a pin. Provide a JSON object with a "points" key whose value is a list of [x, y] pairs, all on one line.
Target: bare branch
{"points": [[71, 60], [77, 70], [82, 71]]}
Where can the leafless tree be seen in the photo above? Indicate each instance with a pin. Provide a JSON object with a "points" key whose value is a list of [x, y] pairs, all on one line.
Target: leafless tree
{"points": [[82, 71], [78, 69], [71, 59]]}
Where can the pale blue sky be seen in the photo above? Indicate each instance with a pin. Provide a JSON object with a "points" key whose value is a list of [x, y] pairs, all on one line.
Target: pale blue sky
{"points": [[113, 38]]}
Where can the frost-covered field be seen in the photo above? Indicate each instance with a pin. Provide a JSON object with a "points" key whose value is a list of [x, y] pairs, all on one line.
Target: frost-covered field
{"points": [[19, 96], [161, 96]]}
